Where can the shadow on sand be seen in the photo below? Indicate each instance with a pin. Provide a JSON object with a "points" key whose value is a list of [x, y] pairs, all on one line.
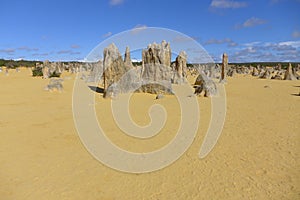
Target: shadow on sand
{"points": [[298, 95], [97, 89]]}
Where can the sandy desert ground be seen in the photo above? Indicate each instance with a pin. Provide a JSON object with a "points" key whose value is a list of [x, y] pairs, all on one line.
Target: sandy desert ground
{"points": [[256, 157]]}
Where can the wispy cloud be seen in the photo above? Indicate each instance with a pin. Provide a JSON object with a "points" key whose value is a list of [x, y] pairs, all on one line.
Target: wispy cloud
{"points": [[64, 52], [252, 22], [69, 52], [40, 54], [116, 2], [184, 39], [227, 4], [75, 46], [296, 34], [107, 35], [138, 28], [25, 48], [281, 1], [8, 50], [295, 44], [267, 51], [227, 41], [75, 53]]}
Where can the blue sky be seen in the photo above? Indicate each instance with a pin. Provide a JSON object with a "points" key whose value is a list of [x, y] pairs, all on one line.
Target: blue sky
{"points": [[257, 30]]}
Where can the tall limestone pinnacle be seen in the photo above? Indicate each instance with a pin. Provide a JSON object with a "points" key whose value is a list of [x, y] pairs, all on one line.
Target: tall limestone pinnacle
{"points": [[156, 67], [289, 73], [180, 72], [224, 67], [114, 69], [127, 58]]}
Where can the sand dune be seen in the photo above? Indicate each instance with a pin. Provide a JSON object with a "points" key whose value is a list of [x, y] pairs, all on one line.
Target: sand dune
{"points": [[256, 157]]}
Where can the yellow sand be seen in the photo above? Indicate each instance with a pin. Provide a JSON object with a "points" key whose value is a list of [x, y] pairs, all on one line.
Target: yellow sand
{"points": [[256, 157]]}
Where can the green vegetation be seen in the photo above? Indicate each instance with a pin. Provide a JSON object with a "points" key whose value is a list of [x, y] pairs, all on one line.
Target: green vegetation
{"points": [[12, 64], [284, 65], [54, 74], [137, 63], [37, 71]]}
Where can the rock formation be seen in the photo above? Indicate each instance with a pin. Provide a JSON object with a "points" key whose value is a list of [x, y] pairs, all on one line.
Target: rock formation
{"points": [[255, 72], [159, 96], [266, 75], [55, 84], [96, 70], [203, 83], [59, 68], [289, 73], [294, 70], [231, 72], [127, 58], [276, 77], [114, 69], [156, 69], [46, 71], [180, 68], [224, 67]]}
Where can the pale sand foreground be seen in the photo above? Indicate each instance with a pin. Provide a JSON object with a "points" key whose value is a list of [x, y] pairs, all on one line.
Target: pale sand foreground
{"points": [[256, 157]]}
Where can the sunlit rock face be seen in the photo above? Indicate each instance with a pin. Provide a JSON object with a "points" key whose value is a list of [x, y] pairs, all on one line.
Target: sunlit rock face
{"points": [[114, 69], [180, 68], [156, 71]]}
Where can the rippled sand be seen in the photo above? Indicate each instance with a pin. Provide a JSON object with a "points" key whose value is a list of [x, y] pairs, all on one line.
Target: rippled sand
{"points": [[256, 157]]}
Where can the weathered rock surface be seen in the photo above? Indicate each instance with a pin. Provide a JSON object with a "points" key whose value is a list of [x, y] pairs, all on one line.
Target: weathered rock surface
{"points": [[127, 58], [255, 72], [266, 75], [46, 69], [203, 83], [156, 70], [159, 96], [114, 69], [224, 67], [180, 68], [55, 84], [96, 71], [289, 73], [276, 77], [231, 72]]}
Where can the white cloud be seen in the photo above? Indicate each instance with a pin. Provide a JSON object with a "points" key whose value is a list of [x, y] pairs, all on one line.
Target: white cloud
{"points": [[136, 60], [227, 4], [8, 51], [138, 28], [64, 52], [267, 51], [184, 39], [251, 43], [40, 54], [25, 48], [115, 2], [296, 34], [253, 21], [107, 35], [227, 41], [281, 1], [295, 44], [75, 46]]}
